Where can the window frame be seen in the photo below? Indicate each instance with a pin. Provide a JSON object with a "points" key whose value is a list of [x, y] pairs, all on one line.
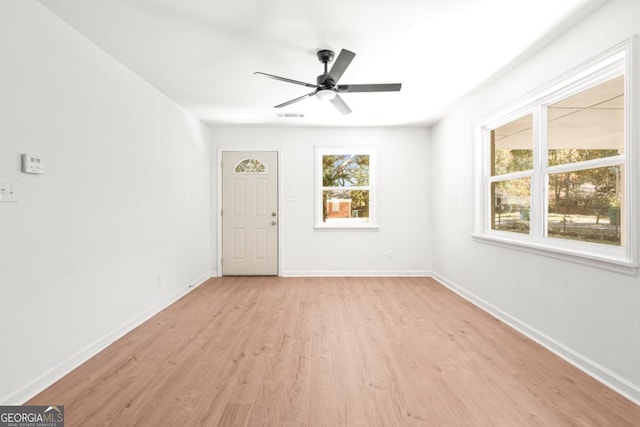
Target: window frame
{"points": [[372, 223], [618, 60]]}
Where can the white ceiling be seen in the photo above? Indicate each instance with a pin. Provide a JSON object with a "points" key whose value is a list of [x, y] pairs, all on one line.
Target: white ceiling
{"points": [[202, 53]]}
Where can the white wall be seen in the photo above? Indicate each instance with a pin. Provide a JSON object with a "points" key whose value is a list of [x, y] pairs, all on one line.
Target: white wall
{"points": [[125, 197], [589, 316], [403, 207]]}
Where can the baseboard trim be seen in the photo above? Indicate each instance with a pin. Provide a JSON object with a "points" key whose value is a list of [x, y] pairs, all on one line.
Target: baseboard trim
{"points": [[361, 273], [63, 368], [593, 369]]}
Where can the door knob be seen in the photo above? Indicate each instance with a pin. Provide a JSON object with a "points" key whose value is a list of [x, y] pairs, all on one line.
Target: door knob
{"points": [[273, 223], [273, 214]]}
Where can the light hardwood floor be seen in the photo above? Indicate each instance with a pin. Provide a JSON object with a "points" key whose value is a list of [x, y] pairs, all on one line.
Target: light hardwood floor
{"points": [[333, 352]]}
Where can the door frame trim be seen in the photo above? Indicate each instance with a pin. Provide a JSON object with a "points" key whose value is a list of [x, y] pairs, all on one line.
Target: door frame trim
{"points": [[218, 215]]}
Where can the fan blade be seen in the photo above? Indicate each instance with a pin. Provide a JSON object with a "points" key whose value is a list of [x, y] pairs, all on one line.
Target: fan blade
{"points": [[284, 79], [340, 105], [342, 62], [385, 87], [300, 98]]}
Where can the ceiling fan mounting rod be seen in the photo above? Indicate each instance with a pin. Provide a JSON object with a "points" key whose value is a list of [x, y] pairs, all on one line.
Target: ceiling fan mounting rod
{"points": [[325, 56]]}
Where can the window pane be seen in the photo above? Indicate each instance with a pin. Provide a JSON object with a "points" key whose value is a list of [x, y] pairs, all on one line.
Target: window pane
{"points": [[345, 170], [588, 125], [347, 205], [512, 204], [512, 146], [585, 205]]}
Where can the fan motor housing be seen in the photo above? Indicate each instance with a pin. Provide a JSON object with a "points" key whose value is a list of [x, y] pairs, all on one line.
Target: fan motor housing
{"points": [[323, 81]]}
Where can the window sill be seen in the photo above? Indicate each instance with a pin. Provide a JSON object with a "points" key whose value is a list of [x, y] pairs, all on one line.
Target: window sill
{"points": [[364, 227], [602, 261]]}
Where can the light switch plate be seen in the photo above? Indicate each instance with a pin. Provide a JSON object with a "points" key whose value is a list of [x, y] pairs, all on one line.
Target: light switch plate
{"points": [[32, 164], [8, 191]]}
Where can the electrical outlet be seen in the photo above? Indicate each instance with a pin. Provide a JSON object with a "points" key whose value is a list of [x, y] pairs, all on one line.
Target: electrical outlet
{"points": [[8, 191], [389, 255]]}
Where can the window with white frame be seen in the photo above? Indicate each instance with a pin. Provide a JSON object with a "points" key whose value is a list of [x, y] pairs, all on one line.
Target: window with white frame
{"points": [[554, 172], [345, 195]]}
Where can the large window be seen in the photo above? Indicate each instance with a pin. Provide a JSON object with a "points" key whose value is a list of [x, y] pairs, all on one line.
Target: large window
{"points": [[345, 188], [553, 173]]}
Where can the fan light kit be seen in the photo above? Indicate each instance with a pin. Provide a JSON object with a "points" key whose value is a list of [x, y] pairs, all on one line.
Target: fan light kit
{"points": [[327, 87], [326, 94]]}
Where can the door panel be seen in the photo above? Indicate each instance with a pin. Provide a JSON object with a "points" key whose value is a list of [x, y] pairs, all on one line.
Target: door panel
{"points": [[249, 213]]}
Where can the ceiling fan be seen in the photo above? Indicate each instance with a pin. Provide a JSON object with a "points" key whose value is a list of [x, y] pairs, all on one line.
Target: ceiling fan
{"points": [[327, 87]]}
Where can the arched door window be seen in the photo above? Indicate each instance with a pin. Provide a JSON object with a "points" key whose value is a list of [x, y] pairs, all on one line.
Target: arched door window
{"points": [[250, 166]]}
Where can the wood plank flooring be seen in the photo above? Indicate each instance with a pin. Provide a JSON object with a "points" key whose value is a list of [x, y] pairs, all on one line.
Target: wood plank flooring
{"points": [[266, 351]]}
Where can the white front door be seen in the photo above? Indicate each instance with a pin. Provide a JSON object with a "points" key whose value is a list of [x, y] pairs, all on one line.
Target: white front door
{"points": [[249, 213]]}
